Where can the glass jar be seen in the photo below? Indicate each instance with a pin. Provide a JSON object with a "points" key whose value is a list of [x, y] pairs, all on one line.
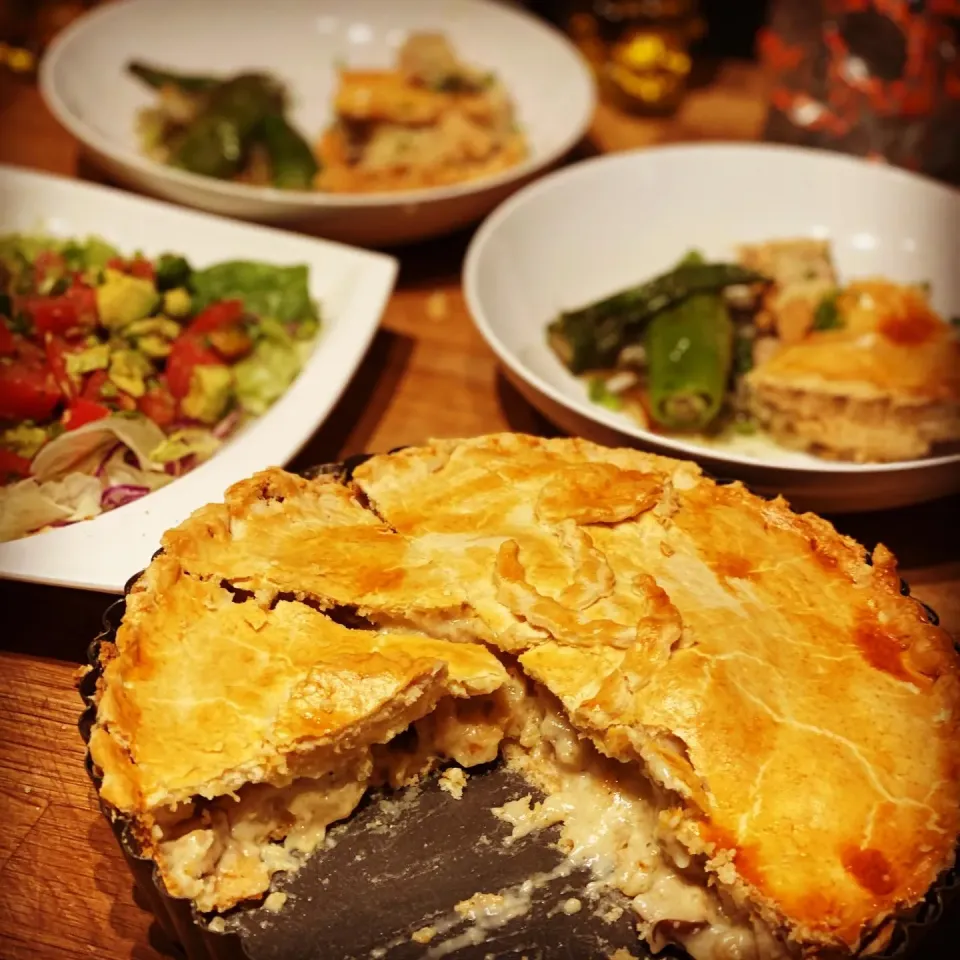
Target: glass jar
{"points": [[639, 49]]}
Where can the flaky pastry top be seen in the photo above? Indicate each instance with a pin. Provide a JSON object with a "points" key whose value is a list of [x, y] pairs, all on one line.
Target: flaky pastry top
{"points": [[205, 691], [890, 345]]}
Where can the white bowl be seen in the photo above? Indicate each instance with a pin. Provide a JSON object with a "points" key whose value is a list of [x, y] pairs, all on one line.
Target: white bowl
{"points": [[84, 82], [612, 222], [351, 286]]}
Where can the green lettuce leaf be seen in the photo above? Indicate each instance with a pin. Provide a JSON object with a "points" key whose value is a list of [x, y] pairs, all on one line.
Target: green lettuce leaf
{"points": [[91, 253], [282, 293], [263, 376], [183, 443]]}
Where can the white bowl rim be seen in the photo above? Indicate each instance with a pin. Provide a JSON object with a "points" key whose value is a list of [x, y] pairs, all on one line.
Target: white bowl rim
{"points": [[312, 198], [552, 180]]}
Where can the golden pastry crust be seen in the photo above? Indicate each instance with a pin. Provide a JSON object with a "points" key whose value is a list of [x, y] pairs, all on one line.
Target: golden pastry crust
{"points": [[202, 694], [799, 714], [277, 533]]}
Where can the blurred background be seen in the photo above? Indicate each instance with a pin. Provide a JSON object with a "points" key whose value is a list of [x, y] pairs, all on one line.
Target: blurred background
{"points": [[876, 79], [26, 26]]}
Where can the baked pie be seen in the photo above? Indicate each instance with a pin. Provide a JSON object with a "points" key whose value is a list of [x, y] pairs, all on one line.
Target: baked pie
{"points": [[732, 711]]}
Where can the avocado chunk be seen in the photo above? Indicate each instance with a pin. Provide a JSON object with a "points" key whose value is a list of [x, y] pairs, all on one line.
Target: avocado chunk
{"points": [[154, 346], [129, 370], [122, 299], [210, 393], [178, 302], [24, 439], [93, 358], [159, 326]]}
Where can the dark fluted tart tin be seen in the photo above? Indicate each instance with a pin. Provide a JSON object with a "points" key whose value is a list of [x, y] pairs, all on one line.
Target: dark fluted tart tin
{"points": [[377, 887]]}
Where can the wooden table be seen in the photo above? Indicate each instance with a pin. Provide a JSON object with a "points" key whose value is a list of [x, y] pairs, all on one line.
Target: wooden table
{"points": [[64, 890]]}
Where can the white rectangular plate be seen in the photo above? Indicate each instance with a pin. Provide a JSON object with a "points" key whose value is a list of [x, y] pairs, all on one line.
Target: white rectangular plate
{"points": [[351, 286]]}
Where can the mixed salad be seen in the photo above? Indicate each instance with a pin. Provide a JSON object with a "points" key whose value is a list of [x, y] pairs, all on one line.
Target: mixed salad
{"points": [[119, 374]]}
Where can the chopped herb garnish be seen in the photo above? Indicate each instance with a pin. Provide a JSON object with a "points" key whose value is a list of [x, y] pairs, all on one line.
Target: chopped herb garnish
{"points": [[827, 316]]}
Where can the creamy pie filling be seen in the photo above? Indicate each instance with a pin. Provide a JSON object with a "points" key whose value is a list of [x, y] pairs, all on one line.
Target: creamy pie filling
{"points": [[615, 822], [227, 850], [612, 820]]}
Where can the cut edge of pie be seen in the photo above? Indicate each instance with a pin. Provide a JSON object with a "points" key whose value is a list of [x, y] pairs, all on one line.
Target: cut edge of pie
{"points": [[542, 540]]}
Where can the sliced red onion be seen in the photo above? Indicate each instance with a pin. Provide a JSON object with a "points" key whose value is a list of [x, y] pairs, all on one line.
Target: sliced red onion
{"points": [[103, 463], [120, 494], [227, 425]]}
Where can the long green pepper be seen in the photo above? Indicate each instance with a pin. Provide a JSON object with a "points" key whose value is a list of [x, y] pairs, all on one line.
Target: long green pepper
{"points": [[689, 355], [592, 337], [292, 163]]}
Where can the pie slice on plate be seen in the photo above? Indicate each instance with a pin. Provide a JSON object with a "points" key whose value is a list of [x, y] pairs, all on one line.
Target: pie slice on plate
{"points": [[738, 720]]}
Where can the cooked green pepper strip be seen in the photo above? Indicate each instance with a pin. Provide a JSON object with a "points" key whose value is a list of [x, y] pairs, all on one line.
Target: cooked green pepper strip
{"points": [[216, 143], [158, 78], [689, 354], [292, 163], [592, 337]]}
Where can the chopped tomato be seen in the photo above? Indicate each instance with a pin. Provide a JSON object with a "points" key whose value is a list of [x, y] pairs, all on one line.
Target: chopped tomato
{"points": [[84, 300], [142, 268], [93, 385], [187, 352], [27, 392], [13, 465], [8, 342], [137, 267], [158, 404], [28, 352], [58, 314], [56, 350], [217, 315], [82, 411]]}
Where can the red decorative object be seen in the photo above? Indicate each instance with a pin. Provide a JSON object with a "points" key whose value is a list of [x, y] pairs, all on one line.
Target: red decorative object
{"points": [[875, 78]]}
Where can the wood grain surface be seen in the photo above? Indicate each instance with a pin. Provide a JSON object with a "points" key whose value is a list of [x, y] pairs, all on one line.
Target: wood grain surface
{"points": [[64, 889]]}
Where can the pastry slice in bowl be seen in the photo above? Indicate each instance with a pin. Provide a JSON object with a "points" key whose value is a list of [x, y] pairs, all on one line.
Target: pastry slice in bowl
{"points": [[881, 384], [232, 734]]}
